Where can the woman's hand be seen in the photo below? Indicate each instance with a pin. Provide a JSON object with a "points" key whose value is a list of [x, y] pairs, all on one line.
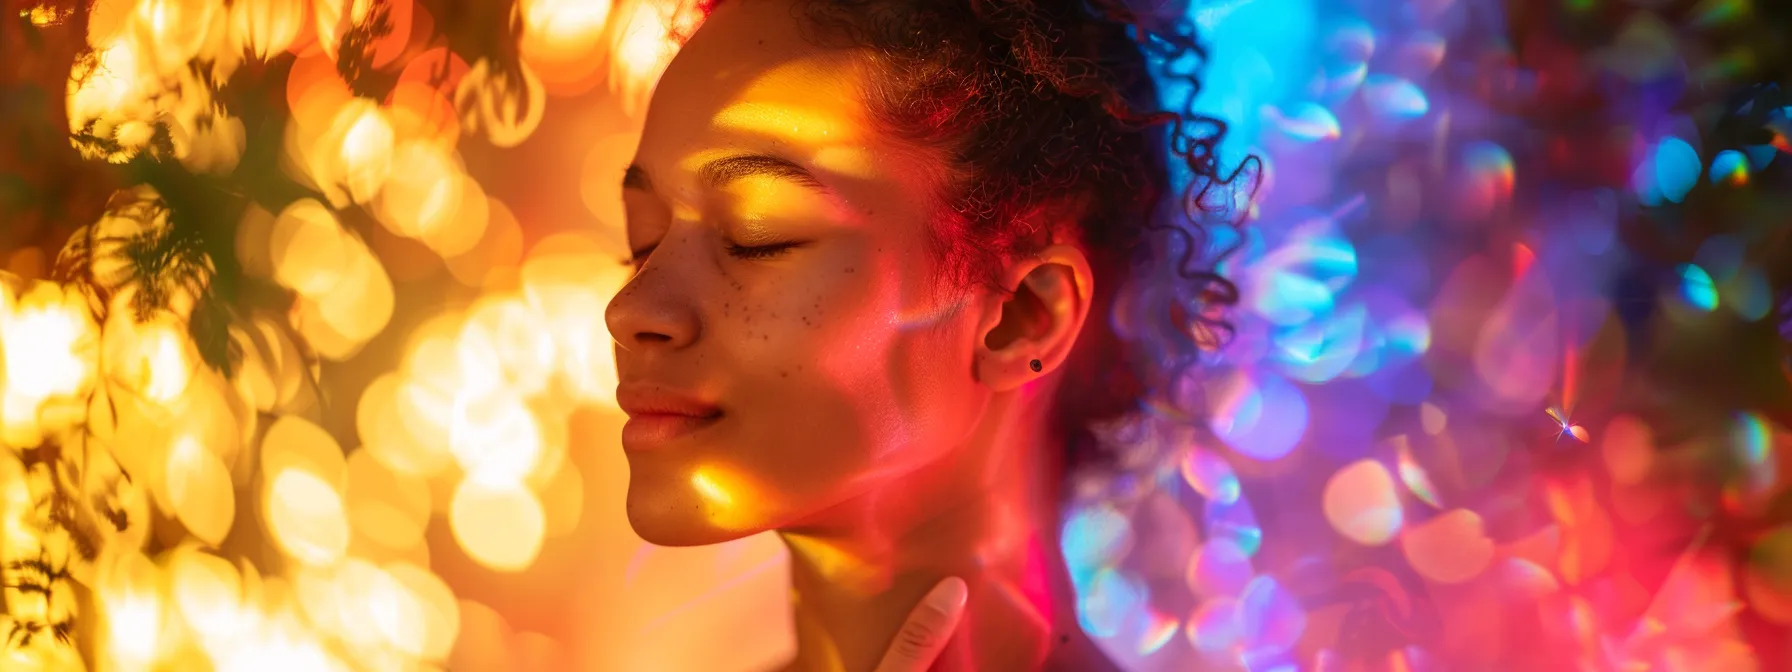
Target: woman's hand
{"points": [[927, 629]]}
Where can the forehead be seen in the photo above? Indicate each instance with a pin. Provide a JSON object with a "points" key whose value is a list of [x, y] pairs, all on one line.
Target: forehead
{"points": [[751, 80], [749, 77]]}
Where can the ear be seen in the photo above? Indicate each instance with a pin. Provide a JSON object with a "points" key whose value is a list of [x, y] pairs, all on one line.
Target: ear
{"points": [[1040, 320]]}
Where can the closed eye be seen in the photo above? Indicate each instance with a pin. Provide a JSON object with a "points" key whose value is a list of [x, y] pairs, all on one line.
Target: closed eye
{"points": [[760, 251]]}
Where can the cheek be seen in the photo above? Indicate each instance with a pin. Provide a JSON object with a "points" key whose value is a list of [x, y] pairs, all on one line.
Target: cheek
{"points": [[860, 367]]}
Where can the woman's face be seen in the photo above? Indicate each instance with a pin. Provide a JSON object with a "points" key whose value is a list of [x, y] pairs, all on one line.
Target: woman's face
{"points": [[783, 346]]}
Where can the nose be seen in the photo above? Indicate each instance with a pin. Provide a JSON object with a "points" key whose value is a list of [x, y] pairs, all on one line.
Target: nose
{"points": [[653, 310]]}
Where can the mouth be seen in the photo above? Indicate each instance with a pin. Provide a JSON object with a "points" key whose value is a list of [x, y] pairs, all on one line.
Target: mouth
{"points": [[648, 431]]}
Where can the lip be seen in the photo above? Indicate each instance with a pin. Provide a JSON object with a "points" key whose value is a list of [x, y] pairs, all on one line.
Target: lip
{"points": [[657, 415], [652, 430]]}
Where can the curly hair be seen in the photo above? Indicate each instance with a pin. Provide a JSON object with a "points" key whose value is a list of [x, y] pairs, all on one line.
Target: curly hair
{"points": [[1053, 119]]}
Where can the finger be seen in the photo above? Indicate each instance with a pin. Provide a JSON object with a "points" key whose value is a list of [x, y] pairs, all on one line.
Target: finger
{"points": [[927, 629]]}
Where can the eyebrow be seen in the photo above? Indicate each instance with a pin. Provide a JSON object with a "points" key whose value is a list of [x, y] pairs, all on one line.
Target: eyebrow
{"points": [[720, 172]]}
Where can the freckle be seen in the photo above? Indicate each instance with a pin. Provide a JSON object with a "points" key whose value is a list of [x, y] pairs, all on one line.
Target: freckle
{"points": [[783, 374], [850, 269]]}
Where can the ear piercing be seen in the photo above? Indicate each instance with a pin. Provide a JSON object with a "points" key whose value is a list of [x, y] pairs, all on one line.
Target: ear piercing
{"points": [[1035, 366]]}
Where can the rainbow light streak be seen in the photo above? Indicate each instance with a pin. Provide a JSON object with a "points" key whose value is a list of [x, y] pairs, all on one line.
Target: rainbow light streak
{"points": [[1414, 476], [1752, 441], [1209, 475], [1489, 173], [1730, 167], [1160, 629], [1304, 122]]}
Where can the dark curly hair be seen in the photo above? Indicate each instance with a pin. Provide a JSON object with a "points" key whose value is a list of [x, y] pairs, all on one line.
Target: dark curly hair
{"points": [[1053, 118]]}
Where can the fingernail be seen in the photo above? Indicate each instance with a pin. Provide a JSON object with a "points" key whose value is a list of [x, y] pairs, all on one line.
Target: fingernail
{"points": [[951, 593]]}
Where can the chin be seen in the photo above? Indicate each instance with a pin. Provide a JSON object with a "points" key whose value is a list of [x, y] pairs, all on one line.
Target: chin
{"points": [[664, 518]]}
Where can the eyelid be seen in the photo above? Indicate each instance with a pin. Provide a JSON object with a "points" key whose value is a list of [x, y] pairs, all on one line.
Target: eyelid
{"points": [[761, 251]]}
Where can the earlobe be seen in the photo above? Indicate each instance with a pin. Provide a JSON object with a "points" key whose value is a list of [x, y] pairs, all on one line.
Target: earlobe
{"points": [[1033, 331]]}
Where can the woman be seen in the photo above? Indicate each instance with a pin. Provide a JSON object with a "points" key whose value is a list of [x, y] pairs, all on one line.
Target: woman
{"points": [[878, 248]]}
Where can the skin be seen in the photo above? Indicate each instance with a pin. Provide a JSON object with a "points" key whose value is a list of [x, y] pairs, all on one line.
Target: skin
{"points": [[888, 427]]}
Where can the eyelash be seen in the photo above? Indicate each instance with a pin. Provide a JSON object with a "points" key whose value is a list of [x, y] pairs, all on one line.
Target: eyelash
{"points": [[743, 252], [759, 251]]}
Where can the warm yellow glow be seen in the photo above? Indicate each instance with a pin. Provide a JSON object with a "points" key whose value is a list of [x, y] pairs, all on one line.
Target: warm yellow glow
{"points": [[361, 304], [466, 222], [522, 339], [41, 15], [391, 419], [308, 248], [564, 501], [440, 613], [498, 252], [645, 47], [305, 517], [707, 485], [48, 356], [731, 497], [113, 90], [132, 603], [501, 528], [423, 193], [268, 27], [568, 282], [155, 358], [783, 118], [48, 345], [389, 508], [509, 106], [207, 591], [293, 442], [356, 152], [176, 30], [495, 438], [561, 40], [563, 25], [199, 489]]}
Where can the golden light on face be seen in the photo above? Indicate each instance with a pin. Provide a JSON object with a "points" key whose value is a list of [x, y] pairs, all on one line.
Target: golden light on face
{"points": [[778, 283]]}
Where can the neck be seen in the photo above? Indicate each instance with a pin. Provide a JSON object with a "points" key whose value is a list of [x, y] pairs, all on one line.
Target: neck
{"points": [[987, 513]]}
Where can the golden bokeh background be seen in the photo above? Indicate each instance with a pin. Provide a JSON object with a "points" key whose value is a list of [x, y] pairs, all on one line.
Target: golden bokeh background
{"points": [[412, 461]]}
